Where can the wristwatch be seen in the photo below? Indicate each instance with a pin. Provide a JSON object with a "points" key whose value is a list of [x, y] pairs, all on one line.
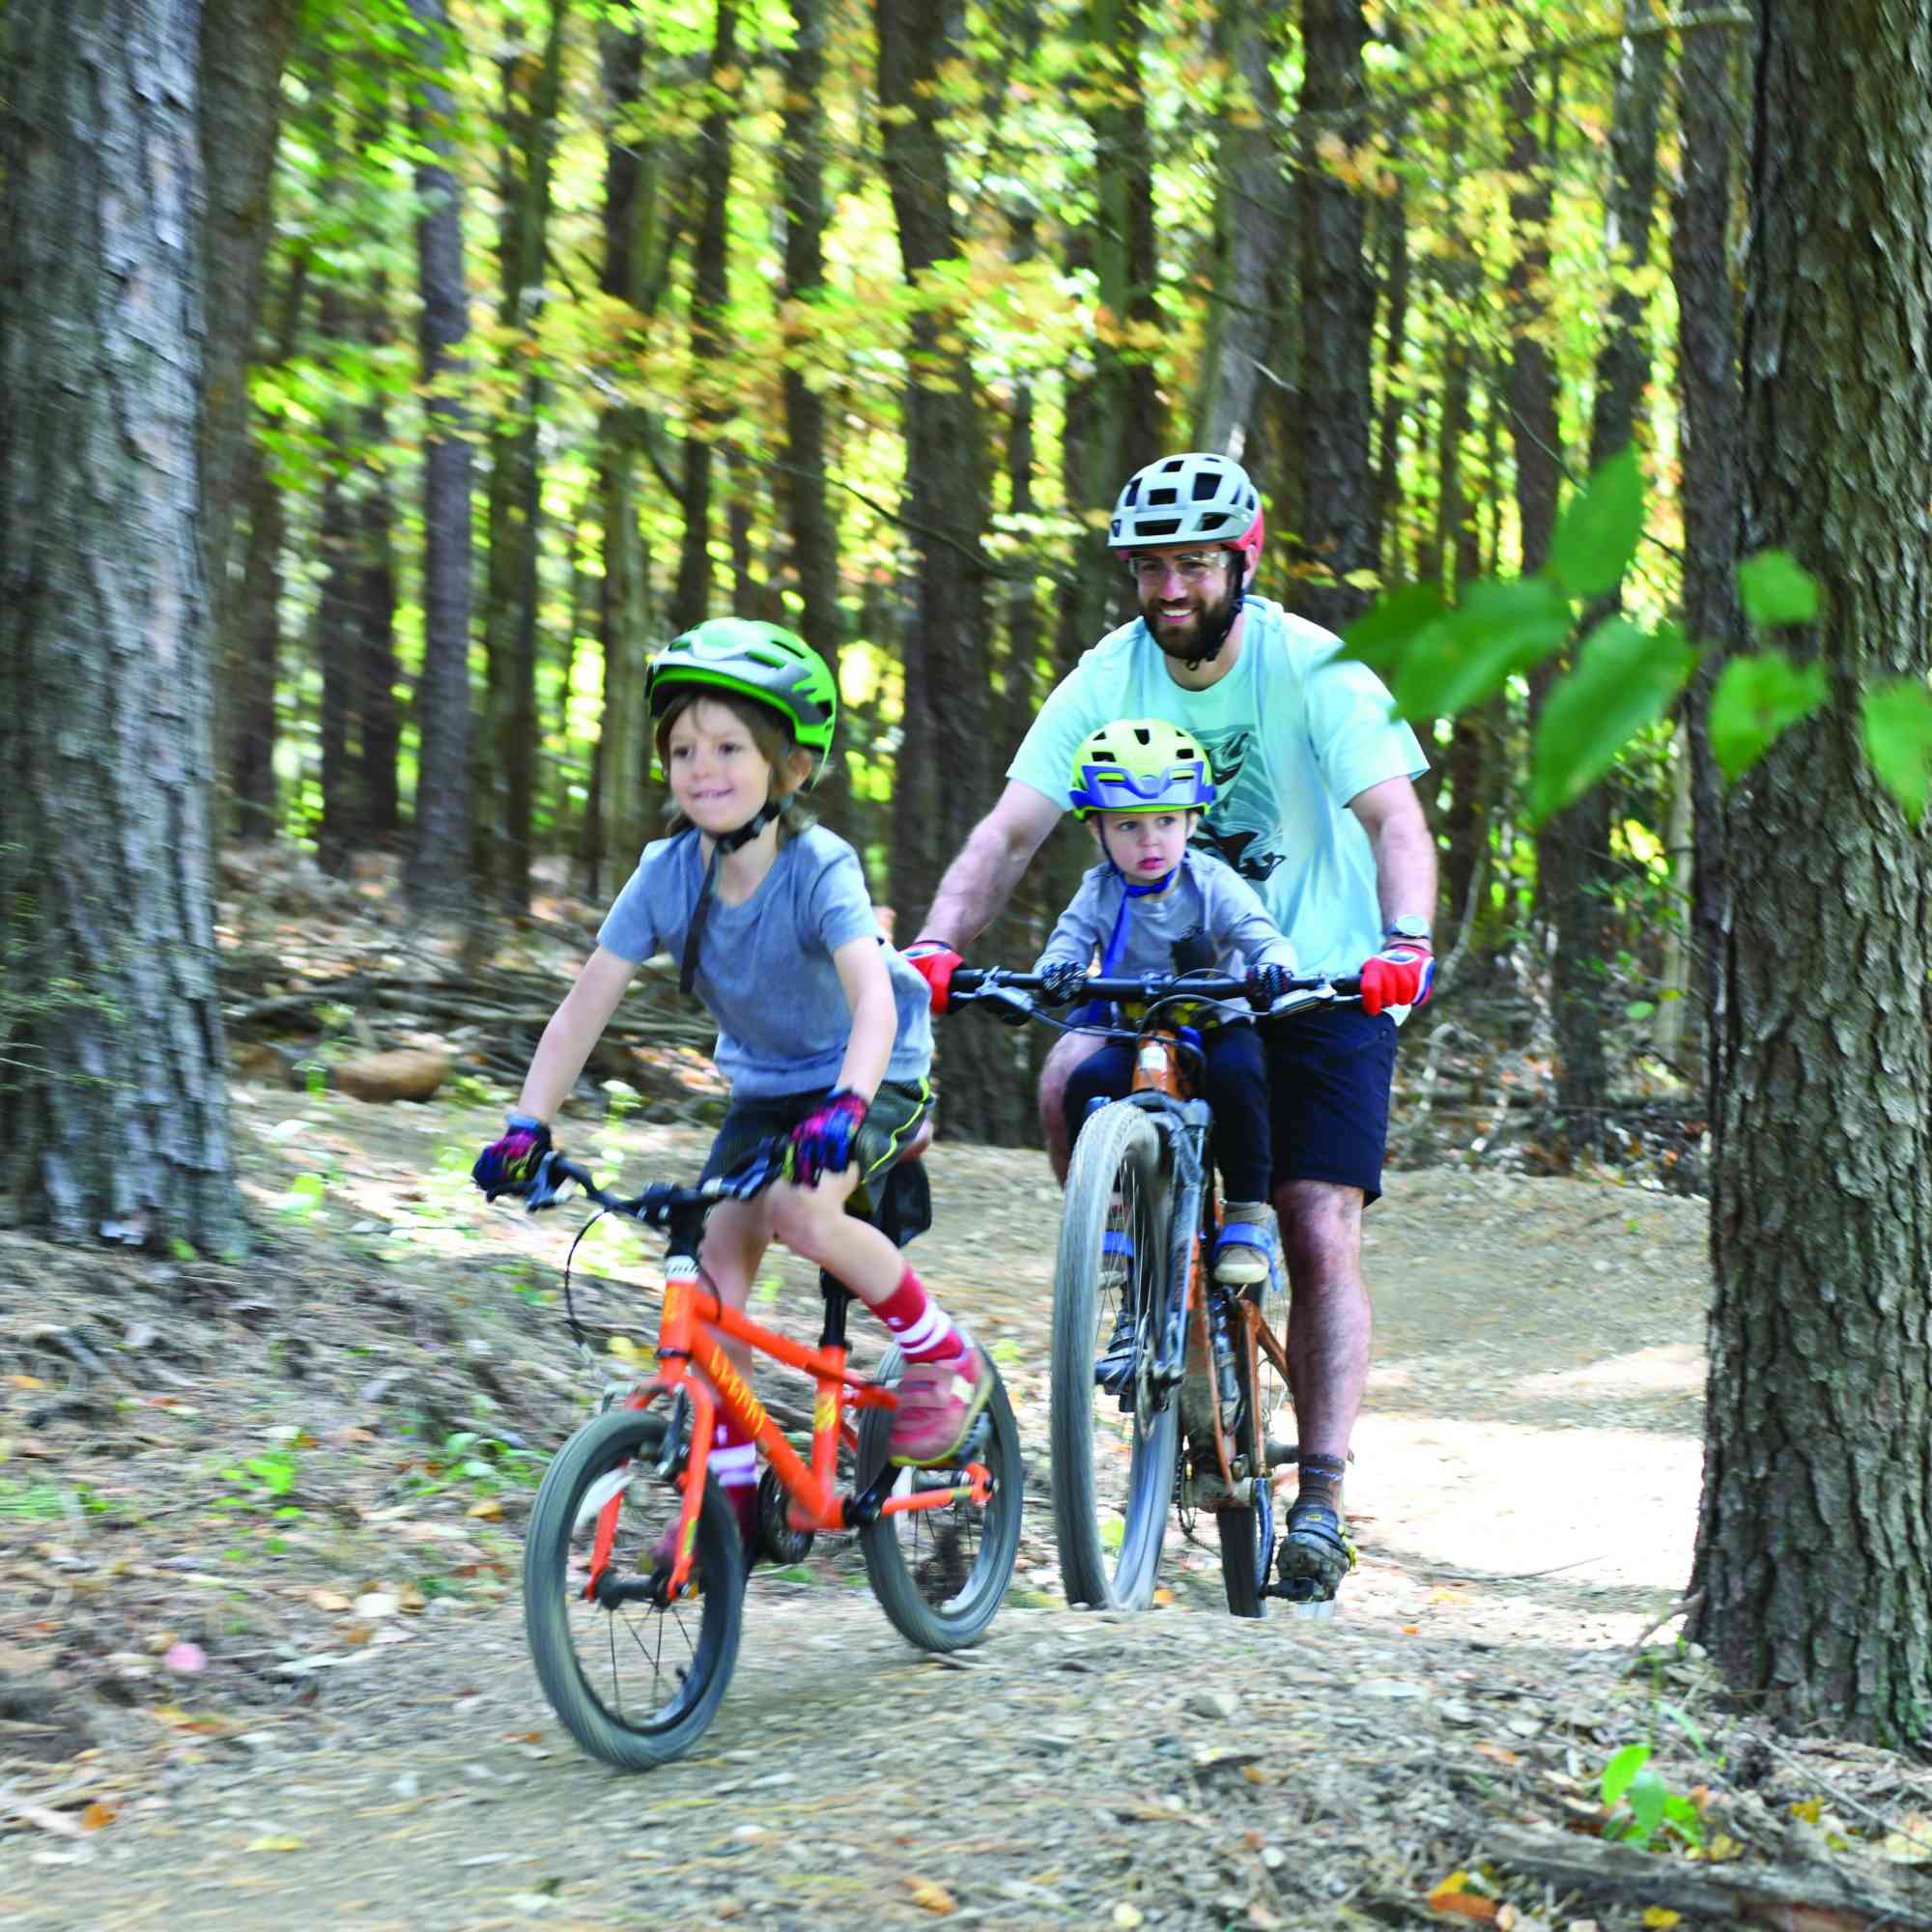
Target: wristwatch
{"points": [[1408, 927]]}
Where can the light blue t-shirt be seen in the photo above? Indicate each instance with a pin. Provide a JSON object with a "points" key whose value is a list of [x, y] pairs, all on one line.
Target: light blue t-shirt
{"points": [[1292, 732], [764, 968]]}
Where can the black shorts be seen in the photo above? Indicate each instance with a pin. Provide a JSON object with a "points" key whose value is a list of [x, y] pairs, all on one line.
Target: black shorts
{"points": [[898, 1108], [1329, 1074]]}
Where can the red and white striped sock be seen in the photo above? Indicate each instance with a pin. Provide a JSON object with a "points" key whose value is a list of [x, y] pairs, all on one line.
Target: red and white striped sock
{"points": [[919, 1324]]}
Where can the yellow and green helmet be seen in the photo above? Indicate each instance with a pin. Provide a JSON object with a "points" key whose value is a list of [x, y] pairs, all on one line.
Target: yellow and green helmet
{"points": [[765, 662], [1140, 764]]}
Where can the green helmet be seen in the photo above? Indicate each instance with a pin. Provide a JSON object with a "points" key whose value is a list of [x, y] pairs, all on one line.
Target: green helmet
{"points": [[765, 662], [1140, 764]]}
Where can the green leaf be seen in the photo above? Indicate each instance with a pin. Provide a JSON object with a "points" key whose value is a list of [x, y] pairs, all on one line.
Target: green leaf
{"points": [[1381, 636], [1648, 1794], [1498, 629], [1898, 739], [1621, 1769], [1640, 1010], [1776, 588], [1624, 679], [1597, 535], [1757, 699]]}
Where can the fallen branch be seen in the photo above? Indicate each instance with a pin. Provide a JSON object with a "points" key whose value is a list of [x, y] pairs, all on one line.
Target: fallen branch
{"points": [[1790, 1898]]}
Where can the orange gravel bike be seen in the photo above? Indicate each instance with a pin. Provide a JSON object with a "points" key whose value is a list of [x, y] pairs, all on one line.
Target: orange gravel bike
{"points": [[633, 1575], [1165, 1382]]}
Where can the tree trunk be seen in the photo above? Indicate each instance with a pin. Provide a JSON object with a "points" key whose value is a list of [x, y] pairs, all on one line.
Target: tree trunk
{"points": [[1814, 1545], [1124, 236], [1711, 433], [948, 498], [1251, 235], [113, 1110], [244, 45], [437, 877], [710, 300], [810, 523], [1573, 850], [1535, 429], [376, 670], [342, 825], [1389, 445], [530, 92], [1338, 319]]}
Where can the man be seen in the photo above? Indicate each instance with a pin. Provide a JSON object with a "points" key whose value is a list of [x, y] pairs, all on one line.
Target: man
{"points": [[1316, 807]]}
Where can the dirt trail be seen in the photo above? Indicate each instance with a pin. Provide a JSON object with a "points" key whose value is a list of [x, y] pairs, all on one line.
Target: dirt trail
{"points": [[1525, 1493]]}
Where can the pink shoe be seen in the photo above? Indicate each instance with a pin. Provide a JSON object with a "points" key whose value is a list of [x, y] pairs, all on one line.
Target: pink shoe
{"points": [[939, 1402]]}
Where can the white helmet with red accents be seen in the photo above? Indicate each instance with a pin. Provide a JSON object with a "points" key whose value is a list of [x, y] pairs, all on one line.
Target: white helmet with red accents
{"points": [[1202, 497]]}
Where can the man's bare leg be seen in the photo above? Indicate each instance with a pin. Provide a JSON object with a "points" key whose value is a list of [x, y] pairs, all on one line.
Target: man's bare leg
{"points": [[1068, 1051], [1328, 1335]]}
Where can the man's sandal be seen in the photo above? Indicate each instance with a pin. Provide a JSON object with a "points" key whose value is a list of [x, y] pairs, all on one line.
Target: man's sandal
{"points": [[1317, 1552]]}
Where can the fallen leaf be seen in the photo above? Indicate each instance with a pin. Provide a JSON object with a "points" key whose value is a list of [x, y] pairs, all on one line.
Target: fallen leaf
{"points": [[1660, 1915], [930, 1897], [357, 1633], [1162, 1598], [1464, 1905], [25, 1382], [97, 1814], [412, 1599], [1500, 1755], [1123, 1913], [1910, 1844], [1411, 1630], [275, 1842], [489, 1509], [329, 1600]]}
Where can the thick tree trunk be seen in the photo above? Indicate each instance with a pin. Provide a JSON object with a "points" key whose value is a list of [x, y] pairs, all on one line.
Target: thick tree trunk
{"points": [[1815, 1546], [1388, 443], [1338, 319], [948, 498], [1574, 849], [378, 672], [437, 877], [710, 300], [113, 1110]]}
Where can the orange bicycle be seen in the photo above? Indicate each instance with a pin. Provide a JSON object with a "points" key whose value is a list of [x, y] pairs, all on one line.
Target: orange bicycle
{"points": [[633, 1575], [1165, 1382]]}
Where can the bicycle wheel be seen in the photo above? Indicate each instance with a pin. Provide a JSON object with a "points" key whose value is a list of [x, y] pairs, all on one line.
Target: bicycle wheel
{"points": [[940, 1573], [635, 1681], [1114, 1453]]}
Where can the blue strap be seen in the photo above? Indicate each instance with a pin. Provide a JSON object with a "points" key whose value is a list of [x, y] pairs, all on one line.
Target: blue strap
{"points": [[1117, 940]]}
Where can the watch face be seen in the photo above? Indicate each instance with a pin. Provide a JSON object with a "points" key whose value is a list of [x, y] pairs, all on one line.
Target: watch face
{"points": [[1408, 927]]}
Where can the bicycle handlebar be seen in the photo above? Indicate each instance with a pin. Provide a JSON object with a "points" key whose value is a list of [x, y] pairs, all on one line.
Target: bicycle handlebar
{"points": [[972, 983], [658, 1202]]}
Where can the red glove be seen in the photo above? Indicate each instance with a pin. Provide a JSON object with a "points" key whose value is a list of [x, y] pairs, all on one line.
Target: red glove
{"points": [[1398, 975], [935, 962]]}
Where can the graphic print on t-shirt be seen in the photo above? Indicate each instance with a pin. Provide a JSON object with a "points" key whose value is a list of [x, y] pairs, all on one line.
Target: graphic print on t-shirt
{"points": [[1242, 827]]}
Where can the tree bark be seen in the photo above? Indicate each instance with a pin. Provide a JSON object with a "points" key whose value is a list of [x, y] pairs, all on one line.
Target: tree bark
{"points": [[439, 873], [113, 1108], [1814, 1543], [948, 496], [1338, 319], [1535, 429]]}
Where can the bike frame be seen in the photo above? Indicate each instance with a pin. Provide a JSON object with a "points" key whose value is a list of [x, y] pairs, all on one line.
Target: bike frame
{"points": [[690, 1332]]}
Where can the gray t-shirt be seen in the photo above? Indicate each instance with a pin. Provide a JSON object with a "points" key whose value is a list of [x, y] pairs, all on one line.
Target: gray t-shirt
{"points": [[1210, 901], [764, 968]]}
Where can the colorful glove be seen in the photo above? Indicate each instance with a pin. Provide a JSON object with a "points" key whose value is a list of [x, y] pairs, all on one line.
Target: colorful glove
{"points": [[1267, 984], [518, 1163], [822, 1142], [1398, 975], [1062, 981], [935, 962]]}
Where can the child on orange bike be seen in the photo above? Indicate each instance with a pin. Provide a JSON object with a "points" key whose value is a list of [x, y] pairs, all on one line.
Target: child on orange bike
{"points": [[823, 1029], [1155, 905]]}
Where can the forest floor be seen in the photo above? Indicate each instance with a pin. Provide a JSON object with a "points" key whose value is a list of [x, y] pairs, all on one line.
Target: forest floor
{"points": [[262, 1659]]}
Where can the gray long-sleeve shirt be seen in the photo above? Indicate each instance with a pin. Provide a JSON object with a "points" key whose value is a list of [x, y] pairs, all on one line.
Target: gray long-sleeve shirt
{"points": [[1208, 899]]}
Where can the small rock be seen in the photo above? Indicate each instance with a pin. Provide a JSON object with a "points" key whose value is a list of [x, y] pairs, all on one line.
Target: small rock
{"points": [[408, 1073], [1393, 1688], [1221, 1704]]}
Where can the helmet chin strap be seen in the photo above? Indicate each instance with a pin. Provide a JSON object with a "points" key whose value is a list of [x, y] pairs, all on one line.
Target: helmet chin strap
{"points": [[723, 843], [1117, 940]]}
